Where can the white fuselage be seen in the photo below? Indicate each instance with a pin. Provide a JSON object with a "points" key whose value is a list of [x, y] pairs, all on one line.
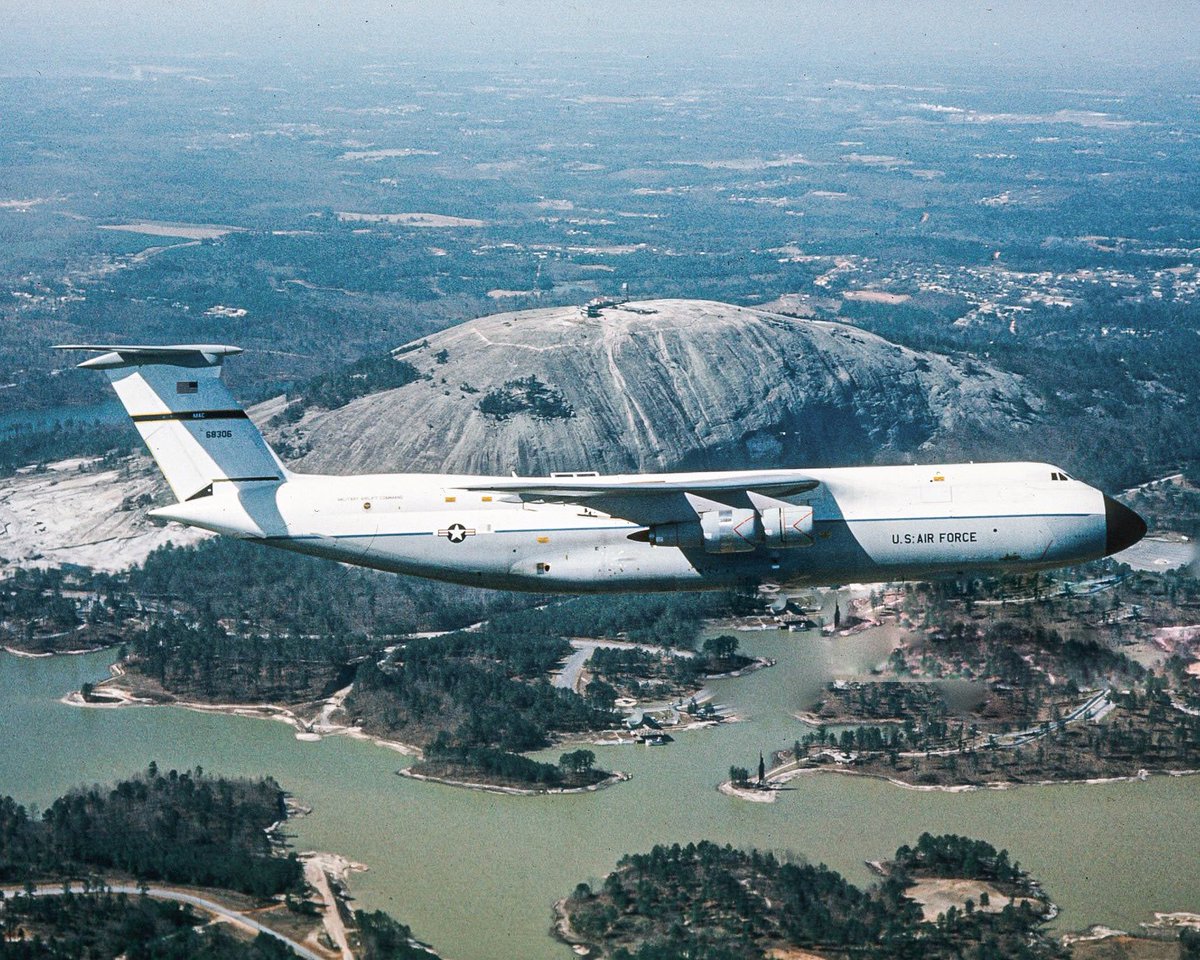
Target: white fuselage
{"points": [[868, 524]]}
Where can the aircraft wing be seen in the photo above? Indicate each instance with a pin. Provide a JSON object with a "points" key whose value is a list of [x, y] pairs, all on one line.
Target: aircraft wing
{"points": [[780, 483], [649, 499]]}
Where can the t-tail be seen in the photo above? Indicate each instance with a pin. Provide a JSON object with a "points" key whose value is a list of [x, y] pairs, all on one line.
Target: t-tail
{"points": [[198, 434]]}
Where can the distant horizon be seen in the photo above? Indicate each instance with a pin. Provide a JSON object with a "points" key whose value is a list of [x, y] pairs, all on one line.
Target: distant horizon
{"points": [[1080, 41]]}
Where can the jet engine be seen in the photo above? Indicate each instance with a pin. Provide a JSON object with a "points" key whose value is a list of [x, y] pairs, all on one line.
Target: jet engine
{"points": [[785, 527], [730, 531], [739, 530]]}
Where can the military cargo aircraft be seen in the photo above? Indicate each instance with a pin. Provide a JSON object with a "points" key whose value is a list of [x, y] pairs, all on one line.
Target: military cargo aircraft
{"points": [[586, 533]]}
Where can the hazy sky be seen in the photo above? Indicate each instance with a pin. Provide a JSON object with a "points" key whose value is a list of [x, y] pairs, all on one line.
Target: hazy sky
{"points": [[36, 35]]}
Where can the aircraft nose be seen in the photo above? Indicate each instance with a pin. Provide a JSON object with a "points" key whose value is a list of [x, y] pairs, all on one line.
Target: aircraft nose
{"points": [[1123, 527]]}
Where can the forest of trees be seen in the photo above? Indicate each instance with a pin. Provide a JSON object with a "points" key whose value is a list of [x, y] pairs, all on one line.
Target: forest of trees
{"points": [[32, 606], [661, 619], [378, 936], [70, 438], [254, 592], [187, 827], [100, 925], [644, 674], [259, 589], [950, 855], [495, 766], [1092, 384], [228, 621], [485, 687], [652, 675], [290, 593], [338, 387], [445, 759], [526, 395], [1145, 732], [711, 902], [1036, 661], [205, 661]]}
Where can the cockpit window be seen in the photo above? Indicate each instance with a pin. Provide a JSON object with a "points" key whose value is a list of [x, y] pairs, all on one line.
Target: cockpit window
{"points": [[1058, 475]]}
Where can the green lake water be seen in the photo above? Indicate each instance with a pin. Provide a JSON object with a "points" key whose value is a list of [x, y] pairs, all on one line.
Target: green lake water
{"points": [[475, 874]]}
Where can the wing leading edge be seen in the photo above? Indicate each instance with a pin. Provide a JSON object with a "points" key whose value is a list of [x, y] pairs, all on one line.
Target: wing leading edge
{"points": [[651, 500], [780, 483]]}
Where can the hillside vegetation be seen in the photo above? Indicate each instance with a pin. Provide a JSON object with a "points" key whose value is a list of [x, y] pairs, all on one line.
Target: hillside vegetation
{"points": [[115, 926], [187, 827], [706, 902]]}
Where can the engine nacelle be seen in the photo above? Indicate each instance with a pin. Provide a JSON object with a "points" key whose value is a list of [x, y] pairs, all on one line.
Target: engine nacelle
{"points": [[676, 534], [730, 530], [786, 527], [738, 530], [718, 531]]}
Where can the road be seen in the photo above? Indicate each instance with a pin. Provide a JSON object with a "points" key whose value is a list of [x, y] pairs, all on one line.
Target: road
{"points": [[567, 676], [208, 906], [1091, 709], [1094, 708], [314, 873]]}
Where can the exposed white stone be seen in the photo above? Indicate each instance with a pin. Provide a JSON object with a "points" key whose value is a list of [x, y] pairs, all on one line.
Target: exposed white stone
{"points": [[664, 384]]}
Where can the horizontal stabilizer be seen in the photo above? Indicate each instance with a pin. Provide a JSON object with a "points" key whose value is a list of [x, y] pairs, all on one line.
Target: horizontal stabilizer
{"points": [[113, 356]]}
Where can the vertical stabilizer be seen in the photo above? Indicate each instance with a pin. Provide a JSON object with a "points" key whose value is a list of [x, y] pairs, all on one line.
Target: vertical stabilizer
{"points": [[195, 430]]}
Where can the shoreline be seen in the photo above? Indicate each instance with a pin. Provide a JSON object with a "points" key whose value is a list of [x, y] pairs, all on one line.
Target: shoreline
{"points": [[564, 933], [810, 719], [320, 726], [117, 697], [316, 729], [775, 781], [615, 777], [307, 730], [110, 695], [1159, 929], [624, 737], [41, 655], [107, 695], [755, 664]]}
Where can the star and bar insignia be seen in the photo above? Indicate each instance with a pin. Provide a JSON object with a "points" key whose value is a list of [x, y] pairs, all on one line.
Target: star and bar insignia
{"points": [[456, 533]]}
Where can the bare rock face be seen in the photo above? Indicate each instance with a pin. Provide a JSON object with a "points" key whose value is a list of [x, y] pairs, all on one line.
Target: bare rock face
{"points": [[95, 519], [666, 385]]}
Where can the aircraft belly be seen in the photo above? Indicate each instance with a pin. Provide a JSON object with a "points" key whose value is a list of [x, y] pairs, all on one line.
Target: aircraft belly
{"points": [[501, 549], [349, 539], [613, 563]]}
